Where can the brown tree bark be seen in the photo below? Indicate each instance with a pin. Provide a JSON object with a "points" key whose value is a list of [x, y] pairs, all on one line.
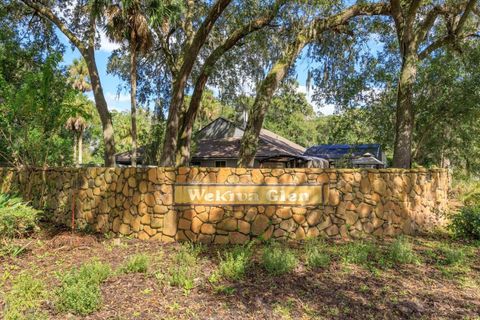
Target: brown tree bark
{"points": [[178, 91], [133, 95], [87, 50], [410, 36], [405, 114], [276, 75], [188, 119], [102, 108], [269, 85]]}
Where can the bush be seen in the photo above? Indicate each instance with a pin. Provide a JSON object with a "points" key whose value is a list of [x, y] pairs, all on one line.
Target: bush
{"points": [[278, 260], [401, 252], [24, 299], [80, 289], [233, 265], [361, 253], [466, 223], [137, 263], [316, 257], [184, 269], [17, 219]]}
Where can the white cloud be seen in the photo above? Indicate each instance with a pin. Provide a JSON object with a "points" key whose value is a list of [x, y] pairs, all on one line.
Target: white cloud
{"points": [[106, 45], [324, 108]]}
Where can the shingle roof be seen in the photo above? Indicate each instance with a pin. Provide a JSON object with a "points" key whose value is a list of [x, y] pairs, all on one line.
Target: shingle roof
{"points": [[269, 144]]}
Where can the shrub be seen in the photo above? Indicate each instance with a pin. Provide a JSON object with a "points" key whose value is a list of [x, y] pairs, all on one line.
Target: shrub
{"points": [[361, 253], [17, 219], [24, 298], [80, 289], [316, 257], [466, 223], [233, 265], [401, 252], [137, 263], [278, 260], [184, 269]]}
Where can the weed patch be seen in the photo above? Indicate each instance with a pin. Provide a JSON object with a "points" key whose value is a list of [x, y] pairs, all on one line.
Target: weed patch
{"points": [[185, 267], [315, 254], [234, 264], [136, 264], [278, 260], [80, 289], [401, 252], [24, 299]]}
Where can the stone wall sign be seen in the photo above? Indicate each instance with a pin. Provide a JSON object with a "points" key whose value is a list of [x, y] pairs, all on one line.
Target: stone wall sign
{"points": [[215, 194]]}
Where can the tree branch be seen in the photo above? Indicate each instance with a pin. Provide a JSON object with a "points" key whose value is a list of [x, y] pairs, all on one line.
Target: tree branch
{"points": [[48, 14], [468, 8], [320, 25]]}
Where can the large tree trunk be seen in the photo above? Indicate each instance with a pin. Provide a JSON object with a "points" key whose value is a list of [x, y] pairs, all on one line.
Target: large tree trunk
{"points": [[102, 108], [402, 155], [257, 113], [75, 148], [188, 119], [80, 147], [190, 56], [133, 95]]}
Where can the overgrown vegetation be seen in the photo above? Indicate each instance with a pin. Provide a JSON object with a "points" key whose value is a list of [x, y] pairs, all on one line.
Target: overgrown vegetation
{"points": [[466, 223], [136, 264], [401, 252], [24, 299], [185, 268], [278, 259], [361, 252], [17, 219], [80, 288], [316, 255], [235, 262]]}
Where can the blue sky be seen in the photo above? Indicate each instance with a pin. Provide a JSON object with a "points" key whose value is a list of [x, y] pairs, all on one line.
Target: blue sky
{"points": [[121, 101]]}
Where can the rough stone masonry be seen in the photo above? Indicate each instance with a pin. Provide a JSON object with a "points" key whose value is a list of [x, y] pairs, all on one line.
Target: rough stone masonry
{"points": [[139, 202]]}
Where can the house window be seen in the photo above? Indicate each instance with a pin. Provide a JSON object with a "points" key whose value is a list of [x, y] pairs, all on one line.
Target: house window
{"points": [[221, 164], [195, 164]]}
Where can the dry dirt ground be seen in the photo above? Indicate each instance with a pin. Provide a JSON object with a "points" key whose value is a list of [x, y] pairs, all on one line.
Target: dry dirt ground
{"points": [[425, 290]]}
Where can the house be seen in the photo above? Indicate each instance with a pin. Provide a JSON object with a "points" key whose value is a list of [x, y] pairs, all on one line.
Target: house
{"points": [[218, 145], [350, 155]]}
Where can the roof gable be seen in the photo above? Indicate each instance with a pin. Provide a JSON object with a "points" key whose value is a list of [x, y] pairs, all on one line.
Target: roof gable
{"points": [[221, 138]]}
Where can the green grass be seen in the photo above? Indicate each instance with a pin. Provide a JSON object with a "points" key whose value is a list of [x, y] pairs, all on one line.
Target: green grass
{"points": [[184, 268], [360, 253], [315, 254], [401, 252], [234, 264], [278, 260], [135, 264], [80, 288], [24, 299]]}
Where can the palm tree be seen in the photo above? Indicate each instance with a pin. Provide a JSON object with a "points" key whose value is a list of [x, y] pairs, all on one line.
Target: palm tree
{"points": [[77, 125], [126, 22], [79, 76]]}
